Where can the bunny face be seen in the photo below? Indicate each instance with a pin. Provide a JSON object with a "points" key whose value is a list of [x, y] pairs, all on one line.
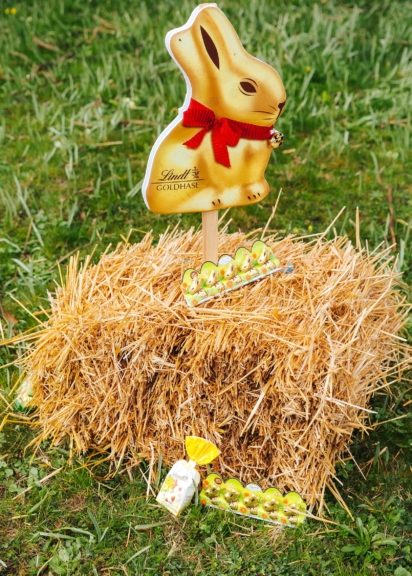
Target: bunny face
{"points": [[229, 270], [194, 286], [209, 274], [190, 281], [263, 257], [261, 252], [247, 263], [243, 259], [223, 76]]}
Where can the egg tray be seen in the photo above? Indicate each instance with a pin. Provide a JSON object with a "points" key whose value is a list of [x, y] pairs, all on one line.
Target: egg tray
{"points": [[251, 501], [230, 273]]}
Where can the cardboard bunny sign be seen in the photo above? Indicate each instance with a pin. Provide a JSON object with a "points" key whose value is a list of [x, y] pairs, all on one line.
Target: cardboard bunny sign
{"points": [[214, 154]]}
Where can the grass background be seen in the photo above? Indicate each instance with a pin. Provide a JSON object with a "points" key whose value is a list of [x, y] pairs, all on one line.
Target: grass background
{"points": [[85, 87]]}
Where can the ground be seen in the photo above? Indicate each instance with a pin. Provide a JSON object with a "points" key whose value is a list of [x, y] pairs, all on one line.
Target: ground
{"points": [[85, 87]]}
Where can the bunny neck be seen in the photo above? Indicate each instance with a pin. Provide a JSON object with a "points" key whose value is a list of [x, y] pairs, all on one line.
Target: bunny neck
{"points": [[224, 131]]}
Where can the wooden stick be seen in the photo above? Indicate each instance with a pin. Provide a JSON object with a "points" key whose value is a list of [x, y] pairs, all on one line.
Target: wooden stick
{"points": [[210, 238]]}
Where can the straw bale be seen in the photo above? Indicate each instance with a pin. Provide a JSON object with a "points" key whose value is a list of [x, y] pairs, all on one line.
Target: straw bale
{"points": [[279, 373]]}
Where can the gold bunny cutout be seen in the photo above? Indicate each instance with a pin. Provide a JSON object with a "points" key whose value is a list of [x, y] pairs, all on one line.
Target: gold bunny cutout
{"points": [[214, 154]]}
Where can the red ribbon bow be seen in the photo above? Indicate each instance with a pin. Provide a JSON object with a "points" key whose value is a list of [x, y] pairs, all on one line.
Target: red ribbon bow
{"points": [[225, 132]]}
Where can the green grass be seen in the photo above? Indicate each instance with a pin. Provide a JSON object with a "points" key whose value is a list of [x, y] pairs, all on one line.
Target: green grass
{"points": [[85, 87]]}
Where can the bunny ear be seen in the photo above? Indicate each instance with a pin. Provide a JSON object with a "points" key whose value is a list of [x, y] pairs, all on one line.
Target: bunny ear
{"points": [[210, 47]]}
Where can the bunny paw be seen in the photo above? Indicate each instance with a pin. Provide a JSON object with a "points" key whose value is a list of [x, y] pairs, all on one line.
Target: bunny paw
{"points": [[277, 139], [254, 192]]}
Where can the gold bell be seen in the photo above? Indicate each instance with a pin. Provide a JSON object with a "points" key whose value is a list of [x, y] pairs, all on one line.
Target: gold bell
{"points": [[277, 139]]}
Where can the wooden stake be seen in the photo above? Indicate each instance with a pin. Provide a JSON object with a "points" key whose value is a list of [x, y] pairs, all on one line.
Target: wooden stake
{"points": [[210, 230]]}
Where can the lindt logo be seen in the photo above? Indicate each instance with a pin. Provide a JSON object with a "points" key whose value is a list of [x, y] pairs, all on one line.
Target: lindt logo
{"points": [[171, 180]]}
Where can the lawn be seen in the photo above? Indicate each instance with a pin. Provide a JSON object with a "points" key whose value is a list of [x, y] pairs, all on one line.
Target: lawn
{"points": [[85, 87]]}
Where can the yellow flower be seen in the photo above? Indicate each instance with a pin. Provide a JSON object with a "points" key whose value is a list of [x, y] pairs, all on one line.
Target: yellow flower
{"points": [[169, 483], [11, 11]]}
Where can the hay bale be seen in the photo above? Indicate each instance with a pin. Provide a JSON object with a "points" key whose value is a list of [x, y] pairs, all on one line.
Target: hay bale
{"points": [[279, 374]]}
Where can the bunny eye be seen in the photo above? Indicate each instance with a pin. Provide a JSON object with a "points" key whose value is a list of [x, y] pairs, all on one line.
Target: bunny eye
{"points": [[248, 86]]}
